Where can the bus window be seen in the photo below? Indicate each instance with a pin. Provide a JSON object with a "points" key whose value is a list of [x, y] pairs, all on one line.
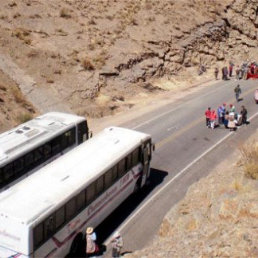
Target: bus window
{"points": [[8, 171], [28, 160], [135, 157], [47, 150], [70, 209], [82, 132], [38, 155], [121, 168], [81, 200], [49, 227], [38, 235], [56, 145], [129, 161], [1, 177], [18, 166], [71, 139], [60, 217], [108, 179], [99, 185], [90, 192], [114, 173]]}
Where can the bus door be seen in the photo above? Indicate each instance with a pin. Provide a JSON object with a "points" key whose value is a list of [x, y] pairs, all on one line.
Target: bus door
{"points": [[82, 135], [146, 163]]}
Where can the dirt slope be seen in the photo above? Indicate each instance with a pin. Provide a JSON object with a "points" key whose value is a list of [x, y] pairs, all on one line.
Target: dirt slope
{"points": [[96, 57]]}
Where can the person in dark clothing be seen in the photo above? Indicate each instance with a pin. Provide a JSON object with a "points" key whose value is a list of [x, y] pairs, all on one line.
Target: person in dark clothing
{"points": [[244, 114], [237, 91]]}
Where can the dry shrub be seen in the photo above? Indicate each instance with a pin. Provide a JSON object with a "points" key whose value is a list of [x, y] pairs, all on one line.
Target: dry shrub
{"points": [[65, 13], [249, 154], [24, 117], [18, 97], [87, 64], [22, 34]]}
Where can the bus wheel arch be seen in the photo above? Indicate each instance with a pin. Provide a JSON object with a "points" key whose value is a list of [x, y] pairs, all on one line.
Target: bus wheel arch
{"points": [[78, 245]]}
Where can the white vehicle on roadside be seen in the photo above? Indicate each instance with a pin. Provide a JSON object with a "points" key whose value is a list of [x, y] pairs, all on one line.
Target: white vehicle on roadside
{"points": [[42, 215], [31, 145]]}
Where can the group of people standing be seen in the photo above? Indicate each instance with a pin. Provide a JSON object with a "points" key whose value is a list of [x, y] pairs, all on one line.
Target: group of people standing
{"points": [[227, 117]]}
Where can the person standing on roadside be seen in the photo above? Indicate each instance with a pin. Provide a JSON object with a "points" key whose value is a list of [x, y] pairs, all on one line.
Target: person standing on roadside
{"points": [[117, 244], [92, 248], [220, 115], [208, 115], [213, 118], [237, 91], [216, 72], [243, 112]]}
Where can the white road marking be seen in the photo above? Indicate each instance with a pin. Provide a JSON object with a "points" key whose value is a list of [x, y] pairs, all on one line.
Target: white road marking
{"points": [[107, 242], [170, 128]]}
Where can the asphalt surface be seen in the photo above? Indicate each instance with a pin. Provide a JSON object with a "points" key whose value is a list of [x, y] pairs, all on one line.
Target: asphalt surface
{"points": [[185, 152]]}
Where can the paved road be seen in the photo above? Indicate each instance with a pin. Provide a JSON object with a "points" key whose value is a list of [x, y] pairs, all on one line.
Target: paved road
{"points": [[185, 151]]}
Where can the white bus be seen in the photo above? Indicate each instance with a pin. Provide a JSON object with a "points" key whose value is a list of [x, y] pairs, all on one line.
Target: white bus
{"points": [[31, 145], [41, 215]]}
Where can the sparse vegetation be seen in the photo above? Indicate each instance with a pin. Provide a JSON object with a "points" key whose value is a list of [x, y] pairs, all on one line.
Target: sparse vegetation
{"points": [[65, 13], [24, 117], [250, 160], [87, 64]]}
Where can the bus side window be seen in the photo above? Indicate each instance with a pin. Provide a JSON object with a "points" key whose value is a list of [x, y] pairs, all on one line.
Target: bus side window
{"points": [[38, 155], [121, 168], [99, 185], [28, 160], [108, 179], [70, 209], [114, 174], [90, 192], [81, 200], [38, 236], [71, 139], [129, 161], [47, 150], [135, 157], [60, 217], [56, 146], [1, 177], [82, 132], [49, 227], [8, 171], [18, 166]]}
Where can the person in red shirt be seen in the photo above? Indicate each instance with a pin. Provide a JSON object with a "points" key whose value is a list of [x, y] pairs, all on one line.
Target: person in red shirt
{"points": [[213, 117], [207, 115]]}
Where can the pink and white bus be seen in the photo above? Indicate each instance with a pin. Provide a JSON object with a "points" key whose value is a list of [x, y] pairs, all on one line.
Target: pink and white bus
{"points": [[42, 215]]}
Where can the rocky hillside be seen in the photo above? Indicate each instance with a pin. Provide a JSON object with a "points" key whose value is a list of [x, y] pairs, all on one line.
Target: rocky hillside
{"points": [[94, 57], [217, 218]]}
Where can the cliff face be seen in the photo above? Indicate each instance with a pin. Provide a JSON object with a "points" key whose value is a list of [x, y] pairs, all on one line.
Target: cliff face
{"points": [[96, 56], [217, 218]]}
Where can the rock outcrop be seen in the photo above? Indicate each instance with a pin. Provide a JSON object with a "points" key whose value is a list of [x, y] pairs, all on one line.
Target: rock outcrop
{"points": [[87, 50]]}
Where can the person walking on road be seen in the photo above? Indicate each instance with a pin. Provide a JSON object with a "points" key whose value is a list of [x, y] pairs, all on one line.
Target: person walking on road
{"points": [[208, 115], [243, 112], [237, 91], [117, 245]]}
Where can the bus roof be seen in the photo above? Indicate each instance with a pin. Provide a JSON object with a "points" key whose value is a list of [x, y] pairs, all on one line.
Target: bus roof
{"points": [[32, 133], [36, 196]]}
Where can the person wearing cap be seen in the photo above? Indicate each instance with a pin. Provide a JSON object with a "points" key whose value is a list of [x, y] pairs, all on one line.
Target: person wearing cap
{"points": [[117, 244], [91, 247]]}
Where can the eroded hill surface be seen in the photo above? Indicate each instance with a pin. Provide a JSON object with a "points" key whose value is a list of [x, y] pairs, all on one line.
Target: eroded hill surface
{"points": [[97, 57]]}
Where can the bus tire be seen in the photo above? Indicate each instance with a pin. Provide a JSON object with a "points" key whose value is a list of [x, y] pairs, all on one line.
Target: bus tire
{"points": [[76, 248]]}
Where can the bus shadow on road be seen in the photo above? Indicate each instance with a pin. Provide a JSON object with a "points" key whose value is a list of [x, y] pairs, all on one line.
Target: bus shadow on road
{"points": [[109, 225]]}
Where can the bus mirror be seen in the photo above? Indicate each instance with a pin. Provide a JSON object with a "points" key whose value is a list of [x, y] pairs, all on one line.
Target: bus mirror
{"points": [[90, 134], [153, 147]]}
